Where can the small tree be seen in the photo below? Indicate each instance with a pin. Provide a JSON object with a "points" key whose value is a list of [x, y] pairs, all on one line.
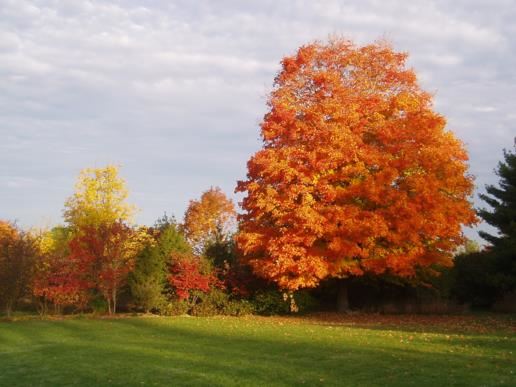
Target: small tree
{"points": [[56, 279], [105, 255], [209, 220], [18, 251], [99, 199], [60, 283], [186, 277], [103, 247], [148, 280]]}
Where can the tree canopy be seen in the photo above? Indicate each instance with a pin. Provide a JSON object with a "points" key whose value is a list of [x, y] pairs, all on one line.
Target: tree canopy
{"points": [[357, 173], [209, 219], [99, 199], [18, 251]]}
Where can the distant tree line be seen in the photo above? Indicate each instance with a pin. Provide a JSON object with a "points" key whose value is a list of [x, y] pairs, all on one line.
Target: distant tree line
{"points": [[99, 261]]}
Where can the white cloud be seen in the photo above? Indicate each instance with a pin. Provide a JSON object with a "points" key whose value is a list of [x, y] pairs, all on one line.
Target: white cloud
{"points": [[20, 182], [484, 109], [444, 59], [174, 91]]}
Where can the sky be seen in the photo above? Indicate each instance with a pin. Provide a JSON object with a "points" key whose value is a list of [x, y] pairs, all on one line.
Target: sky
{"points": [[174, 91]]}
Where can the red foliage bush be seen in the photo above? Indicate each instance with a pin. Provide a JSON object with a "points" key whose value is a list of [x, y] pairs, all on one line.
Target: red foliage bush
{"points": [[186, 276]]}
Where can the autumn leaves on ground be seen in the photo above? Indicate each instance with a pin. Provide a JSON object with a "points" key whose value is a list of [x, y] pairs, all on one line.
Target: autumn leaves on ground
{"points": [[357, 200]]}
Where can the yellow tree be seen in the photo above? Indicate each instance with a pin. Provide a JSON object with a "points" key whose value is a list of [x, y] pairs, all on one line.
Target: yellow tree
{"points": [[209, 219], [99, 199], [357, 172], [103, 246]]}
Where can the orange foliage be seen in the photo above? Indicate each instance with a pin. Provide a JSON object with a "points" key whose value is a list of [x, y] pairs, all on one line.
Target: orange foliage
{"points": [[8, 232], [357, 172], [60, 281], [209, 219]]}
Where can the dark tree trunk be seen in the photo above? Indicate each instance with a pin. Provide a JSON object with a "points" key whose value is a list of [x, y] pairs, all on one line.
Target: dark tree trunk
{"points": [[342, 297], [114, 301]]}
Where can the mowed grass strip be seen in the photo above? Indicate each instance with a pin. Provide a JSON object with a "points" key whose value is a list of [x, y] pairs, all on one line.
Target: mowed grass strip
{"points": [[250, 351]]}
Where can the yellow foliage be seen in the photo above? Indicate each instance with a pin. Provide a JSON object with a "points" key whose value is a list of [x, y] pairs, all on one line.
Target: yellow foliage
{"points": [[99, 198], [46, 242]]}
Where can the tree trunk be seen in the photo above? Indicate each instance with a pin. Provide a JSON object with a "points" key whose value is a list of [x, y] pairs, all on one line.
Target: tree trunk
{"points": [[342, 297], [8, 310], [43, 308], [114, 301]]}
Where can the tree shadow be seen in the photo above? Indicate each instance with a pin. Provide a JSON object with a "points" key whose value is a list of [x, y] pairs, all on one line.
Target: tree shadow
{"points": [[470, 324]]}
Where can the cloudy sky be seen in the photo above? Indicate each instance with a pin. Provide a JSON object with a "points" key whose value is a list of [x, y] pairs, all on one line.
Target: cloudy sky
{"points": [[174, 90]]}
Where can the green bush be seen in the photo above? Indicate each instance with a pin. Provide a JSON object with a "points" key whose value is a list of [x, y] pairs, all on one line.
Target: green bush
{"points": [[305, 301], [474, 279], [217, 302], [270, 302], [238, 308], [210, 304], [204, 309], [174, 308]]}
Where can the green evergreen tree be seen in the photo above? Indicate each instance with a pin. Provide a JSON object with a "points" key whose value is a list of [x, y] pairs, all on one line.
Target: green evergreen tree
{"points": [[221, 252], [171, 238], [148, 281], [502, 200]]}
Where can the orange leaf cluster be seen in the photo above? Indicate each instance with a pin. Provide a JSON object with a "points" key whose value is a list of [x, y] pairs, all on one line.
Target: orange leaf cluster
{"points": [[357, 172], [209, 219], [8, 232]]}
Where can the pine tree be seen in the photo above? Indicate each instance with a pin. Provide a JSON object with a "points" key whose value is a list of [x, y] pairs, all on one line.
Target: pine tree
{"points": [[500, 272], [149, 278], [502, 199]]}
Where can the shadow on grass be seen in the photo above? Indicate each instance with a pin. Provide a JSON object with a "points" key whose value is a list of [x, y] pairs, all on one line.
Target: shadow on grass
{"points": [[470, 324], [230, 352]]}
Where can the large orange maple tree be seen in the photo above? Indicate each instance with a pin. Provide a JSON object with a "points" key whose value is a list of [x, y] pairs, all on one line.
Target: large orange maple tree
{"points": [[357, 172]]}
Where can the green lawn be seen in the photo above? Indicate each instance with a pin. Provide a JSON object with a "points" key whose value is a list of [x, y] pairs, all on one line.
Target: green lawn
{"points": [[355, 351]]}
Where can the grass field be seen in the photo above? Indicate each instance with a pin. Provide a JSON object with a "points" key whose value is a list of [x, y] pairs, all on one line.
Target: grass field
{"points": [[360, 350]]}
